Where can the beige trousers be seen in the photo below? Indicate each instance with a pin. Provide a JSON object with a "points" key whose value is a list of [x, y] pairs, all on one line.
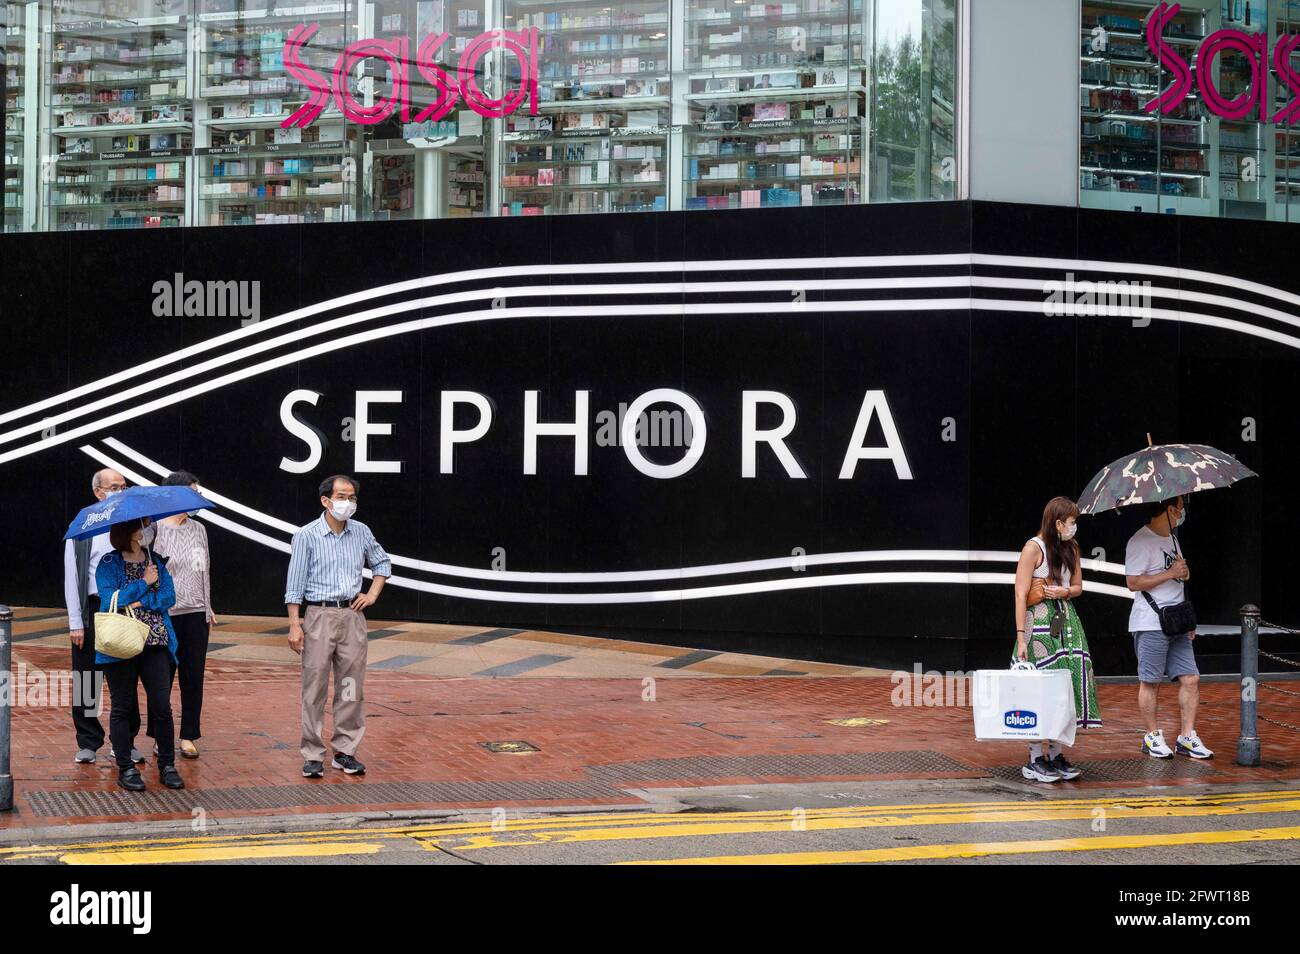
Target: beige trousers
{"points": [[333, 639]]}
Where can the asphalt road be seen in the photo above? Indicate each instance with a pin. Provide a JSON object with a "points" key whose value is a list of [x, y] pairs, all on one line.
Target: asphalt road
{"points": [[927, 822]]}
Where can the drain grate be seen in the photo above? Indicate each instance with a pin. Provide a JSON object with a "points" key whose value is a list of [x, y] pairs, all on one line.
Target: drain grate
{"points": [[1124, 770], [782, 766], [76, 804]]}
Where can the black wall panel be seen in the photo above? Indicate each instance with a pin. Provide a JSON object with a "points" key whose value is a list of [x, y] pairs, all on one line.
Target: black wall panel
{"points": [[997, 405]]}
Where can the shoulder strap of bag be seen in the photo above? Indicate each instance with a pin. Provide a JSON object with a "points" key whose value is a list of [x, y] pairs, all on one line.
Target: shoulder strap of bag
{"points": [[1155, 606]]}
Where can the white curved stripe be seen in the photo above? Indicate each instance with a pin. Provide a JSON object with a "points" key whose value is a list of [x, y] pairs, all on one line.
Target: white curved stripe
{"points": [[652, 288], [665, 267], [666, 596], [1156, 291], [485, 274], [329, 326], [738, 589], [220, 500], [714, 308], [1156, 271], [490, 314], [719, 569], [641, 576]]}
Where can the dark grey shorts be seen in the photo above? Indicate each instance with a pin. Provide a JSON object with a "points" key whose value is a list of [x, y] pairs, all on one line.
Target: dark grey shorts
{"points": [[1160, 656]]}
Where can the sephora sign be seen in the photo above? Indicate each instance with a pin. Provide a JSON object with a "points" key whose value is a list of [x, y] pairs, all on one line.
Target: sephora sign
{"points": [[395, 54], [1252, 46]]}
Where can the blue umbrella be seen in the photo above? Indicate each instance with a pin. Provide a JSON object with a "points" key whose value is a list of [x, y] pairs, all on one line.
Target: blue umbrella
{"points": [[133, 504]]}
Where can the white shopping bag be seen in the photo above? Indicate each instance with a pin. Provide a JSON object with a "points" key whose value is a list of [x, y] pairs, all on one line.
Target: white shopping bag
{"points": [[1024, 703]]}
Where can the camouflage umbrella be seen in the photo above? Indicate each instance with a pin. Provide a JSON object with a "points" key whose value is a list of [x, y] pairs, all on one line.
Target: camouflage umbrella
{"points": [[1160, 472]]}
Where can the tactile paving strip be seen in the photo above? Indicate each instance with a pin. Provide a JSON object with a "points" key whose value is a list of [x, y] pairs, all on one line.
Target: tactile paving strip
{"points": [[783, 766], [347, 795], [1125, 770]]}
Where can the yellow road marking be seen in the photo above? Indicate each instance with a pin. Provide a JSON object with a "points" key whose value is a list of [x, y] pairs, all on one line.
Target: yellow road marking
{"points": [[160, 856], [687, 828], [952, 812], [984, 849]]}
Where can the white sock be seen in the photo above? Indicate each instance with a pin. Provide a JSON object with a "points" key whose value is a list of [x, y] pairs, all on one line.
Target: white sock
{"points": [[1053, 750], [1036, 751]]}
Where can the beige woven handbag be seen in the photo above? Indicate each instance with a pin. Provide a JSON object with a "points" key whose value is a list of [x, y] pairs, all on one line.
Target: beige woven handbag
{"points": [[120, 635]]}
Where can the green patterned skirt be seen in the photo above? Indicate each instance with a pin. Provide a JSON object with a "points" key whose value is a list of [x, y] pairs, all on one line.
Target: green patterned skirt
{"points": [[1068, 651]]}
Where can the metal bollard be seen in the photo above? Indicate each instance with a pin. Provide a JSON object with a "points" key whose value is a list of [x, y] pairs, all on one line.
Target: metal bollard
{"points": [[6, 707], [1248, 743]]}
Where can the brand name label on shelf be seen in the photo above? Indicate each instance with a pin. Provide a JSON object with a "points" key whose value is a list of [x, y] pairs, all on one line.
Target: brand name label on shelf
{"points": [[329, 145], [1252, 46], [395, 55]]}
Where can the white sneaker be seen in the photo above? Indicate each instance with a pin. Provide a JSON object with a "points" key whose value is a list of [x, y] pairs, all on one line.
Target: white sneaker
{"points": [[1193, 746], [1153, 744]]}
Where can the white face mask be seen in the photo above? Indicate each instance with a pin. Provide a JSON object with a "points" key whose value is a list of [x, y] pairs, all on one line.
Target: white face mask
{"points": [[1070, 530], [342, 509]]}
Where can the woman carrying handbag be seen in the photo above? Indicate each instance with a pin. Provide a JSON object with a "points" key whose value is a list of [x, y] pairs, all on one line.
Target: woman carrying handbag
{"points": [[1049, 634], [132, 578]]}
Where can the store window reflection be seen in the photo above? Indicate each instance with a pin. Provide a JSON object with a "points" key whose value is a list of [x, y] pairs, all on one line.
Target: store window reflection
{"points": [[600, 140], [1152, 143], [168, 113], [913, 128]]}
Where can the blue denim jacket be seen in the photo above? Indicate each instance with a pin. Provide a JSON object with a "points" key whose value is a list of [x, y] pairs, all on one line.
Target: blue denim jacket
{"points": [[110, 575]]}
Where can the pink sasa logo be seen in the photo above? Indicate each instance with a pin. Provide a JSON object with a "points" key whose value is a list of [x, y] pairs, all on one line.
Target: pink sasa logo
{"points": [[1253, 46], [395, 53]]}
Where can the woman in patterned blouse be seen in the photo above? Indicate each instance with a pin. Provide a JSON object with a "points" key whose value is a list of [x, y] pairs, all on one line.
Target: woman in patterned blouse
{"points": [[143, 584]]}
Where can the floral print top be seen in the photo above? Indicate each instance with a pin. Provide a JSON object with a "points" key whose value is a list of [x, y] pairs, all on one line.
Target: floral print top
{"points": [[152, 618]]}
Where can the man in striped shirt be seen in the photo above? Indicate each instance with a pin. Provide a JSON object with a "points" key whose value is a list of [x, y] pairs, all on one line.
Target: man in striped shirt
{"points": [[326, 625]]}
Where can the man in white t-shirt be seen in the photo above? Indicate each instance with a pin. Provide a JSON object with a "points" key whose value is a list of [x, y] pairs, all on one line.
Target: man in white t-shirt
{"points": [[1156, 572]]}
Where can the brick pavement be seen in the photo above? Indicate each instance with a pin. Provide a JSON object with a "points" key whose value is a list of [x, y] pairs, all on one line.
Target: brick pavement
{"points": [[596, 737]]}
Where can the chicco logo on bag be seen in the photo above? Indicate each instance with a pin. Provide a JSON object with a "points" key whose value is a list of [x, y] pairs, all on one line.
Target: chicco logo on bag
{"points": [[1020, 719]]}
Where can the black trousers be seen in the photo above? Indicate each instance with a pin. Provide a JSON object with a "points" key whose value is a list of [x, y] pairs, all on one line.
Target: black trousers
{"points": [[192, 655], [85, 710], [152, 669]]}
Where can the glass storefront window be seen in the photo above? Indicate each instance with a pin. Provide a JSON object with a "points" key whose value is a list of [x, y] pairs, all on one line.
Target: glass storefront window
{"points": [[167, 113], [1153, 139]]}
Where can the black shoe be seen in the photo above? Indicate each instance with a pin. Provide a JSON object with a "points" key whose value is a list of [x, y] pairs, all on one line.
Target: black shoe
{"points": [[130, 779], [348, 764], [170, 777], [313, 769], [1064, 768]]}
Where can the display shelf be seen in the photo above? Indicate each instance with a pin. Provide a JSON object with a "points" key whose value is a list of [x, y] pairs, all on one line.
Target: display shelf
{"points": [[261, 183], [16, 119], [1122, 147], [600, 141], [760, 78], [251, 170], [466, 187], [793, 141], [785, 35], [120, 116], [775, 164]]}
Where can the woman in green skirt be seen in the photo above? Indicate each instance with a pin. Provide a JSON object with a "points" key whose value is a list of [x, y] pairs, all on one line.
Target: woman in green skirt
{"points": [[1048, 633]]}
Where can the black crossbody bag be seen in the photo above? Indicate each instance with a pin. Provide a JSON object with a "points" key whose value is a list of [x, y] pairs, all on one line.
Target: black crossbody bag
{"points": [[1178, 618], [1175, 620]]}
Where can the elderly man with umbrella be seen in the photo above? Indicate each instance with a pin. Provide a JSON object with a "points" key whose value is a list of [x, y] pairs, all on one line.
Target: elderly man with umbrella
{"points": [[144, 651], [1162, 620]]}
